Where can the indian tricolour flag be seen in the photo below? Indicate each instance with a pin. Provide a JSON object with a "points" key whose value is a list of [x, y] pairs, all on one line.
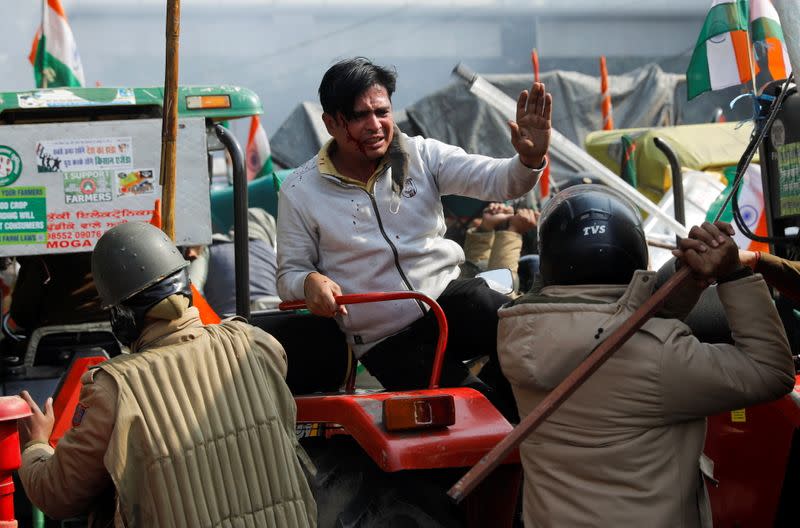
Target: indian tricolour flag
{"points": [[738, 39], [721, 57], [259, 156], [751, 206], [54, 54], [767, 37]]}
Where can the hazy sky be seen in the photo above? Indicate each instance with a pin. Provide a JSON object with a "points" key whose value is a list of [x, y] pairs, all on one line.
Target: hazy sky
{"points": [[280, 48]]}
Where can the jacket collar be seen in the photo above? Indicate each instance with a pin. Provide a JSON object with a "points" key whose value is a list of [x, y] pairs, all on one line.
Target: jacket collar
{"points": [[165, 333], [396, 157], [631, 296]]}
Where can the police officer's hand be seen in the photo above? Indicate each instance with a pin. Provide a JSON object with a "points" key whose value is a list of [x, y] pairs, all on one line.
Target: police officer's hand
{"points": [[530, 133], [709, 251], [320, 291], [39, 426]]}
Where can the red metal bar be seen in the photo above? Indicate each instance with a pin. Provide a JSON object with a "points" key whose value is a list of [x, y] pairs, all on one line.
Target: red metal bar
{"points": [[358, 298]]}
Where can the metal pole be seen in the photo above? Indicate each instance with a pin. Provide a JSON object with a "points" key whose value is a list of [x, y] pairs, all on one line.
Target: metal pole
{"points": [[240, 239], [169, 126], [678, 195], [43, 43]]}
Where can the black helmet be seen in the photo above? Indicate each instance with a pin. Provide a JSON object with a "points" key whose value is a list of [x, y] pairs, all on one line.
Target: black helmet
{"points": [[131, 257], [590, 234]]}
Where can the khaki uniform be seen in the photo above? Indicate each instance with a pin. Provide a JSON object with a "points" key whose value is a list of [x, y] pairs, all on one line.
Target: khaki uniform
{"points": [[195, 429], [624, 449], [493, 249]]}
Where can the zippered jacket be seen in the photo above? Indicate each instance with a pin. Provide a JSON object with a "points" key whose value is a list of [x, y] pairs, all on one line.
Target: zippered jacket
{"points": [[388, 235]]}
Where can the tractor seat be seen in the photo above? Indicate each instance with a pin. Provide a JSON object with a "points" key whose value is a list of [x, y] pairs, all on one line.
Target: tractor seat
{"points": [[319, 358]]}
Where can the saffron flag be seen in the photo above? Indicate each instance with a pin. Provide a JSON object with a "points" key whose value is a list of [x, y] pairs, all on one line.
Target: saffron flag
{"points": [[259, 158], [54, 54]]}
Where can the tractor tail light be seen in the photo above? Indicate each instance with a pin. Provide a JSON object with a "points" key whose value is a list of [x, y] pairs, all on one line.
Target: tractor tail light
{"points": [[195, 102], [402, 413]]}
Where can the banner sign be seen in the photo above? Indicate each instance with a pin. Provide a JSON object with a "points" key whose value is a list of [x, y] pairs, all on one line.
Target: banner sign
{"points": [[62, 185]]}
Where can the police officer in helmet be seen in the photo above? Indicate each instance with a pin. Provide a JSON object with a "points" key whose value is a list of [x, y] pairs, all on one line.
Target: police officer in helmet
{"points": [[630, 439], [145, 448]]}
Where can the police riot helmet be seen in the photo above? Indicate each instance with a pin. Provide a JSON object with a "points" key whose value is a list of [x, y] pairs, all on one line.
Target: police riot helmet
{"points": [[590, 234], [131, 257]]}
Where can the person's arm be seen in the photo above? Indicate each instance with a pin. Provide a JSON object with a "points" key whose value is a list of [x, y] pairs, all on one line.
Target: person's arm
{"points": [[780, 273], [478, 246], [683, 299], [700, 379], [457, 172], [298, 248], [479, 240], [507, 244], [65, 482], [298, 254], [270, 349]]}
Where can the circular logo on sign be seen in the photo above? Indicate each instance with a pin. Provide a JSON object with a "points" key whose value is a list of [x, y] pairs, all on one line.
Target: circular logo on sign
{"points": [[10, 165], [88, 186]]}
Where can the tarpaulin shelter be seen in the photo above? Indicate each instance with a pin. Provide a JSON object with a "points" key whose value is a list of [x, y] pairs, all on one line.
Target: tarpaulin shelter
{"points": [[704, 147]]}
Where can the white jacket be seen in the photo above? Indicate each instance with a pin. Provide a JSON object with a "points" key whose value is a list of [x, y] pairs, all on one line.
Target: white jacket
{"points": [[388, 236]]}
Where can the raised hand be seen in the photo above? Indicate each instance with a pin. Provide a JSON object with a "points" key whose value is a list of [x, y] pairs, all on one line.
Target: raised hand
{"points": [[530, 133], [709, 251]]}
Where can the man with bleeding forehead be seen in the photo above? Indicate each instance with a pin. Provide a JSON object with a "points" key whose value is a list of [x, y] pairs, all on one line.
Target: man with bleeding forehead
{"points": [[365, 215]]}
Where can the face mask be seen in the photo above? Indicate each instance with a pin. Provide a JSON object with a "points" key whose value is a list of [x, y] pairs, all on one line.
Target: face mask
{"points": [[125, 325], [127, 319]]}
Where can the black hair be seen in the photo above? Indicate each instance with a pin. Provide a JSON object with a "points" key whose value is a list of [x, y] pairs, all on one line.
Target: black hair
{"points": [[349, 78]]}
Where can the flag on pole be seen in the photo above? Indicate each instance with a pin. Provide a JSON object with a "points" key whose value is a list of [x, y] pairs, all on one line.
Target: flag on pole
{"points": [[605, 96], [721, 56], [259, 158], [628, 162], [54, 54], [751, 205], [724, 56], [768, 42]]}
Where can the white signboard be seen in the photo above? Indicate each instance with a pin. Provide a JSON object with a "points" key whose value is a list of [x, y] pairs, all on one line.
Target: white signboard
{"points": [[62, 185]]}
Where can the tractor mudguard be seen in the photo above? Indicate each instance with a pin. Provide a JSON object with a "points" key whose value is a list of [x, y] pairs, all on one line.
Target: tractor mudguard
{"points": [[756, 452], [478, 427]]}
